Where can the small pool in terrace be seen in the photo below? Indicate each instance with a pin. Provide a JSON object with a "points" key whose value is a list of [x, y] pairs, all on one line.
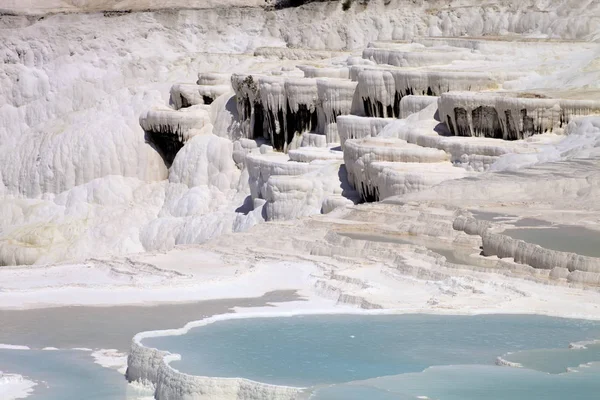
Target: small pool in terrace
{"points": [[456, 255], [373, 237], [398, 356], [569, 238], [507, 218]]}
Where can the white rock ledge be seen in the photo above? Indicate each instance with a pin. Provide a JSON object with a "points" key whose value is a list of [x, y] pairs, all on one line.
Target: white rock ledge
{"points": [[573, 267], [415, 58], [151, 366], [355, 127]]}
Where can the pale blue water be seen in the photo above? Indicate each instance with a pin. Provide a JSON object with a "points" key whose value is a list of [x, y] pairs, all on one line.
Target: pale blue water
{"points": [[556, 361], [73, 375], [466, 382], [569, 238], [65, 375], [445, 357]]}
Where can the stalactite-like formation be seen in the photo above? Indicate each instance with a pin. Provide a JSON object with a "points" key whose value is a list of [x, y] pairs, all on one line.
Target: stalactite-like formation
{"points": [[508, 115]]}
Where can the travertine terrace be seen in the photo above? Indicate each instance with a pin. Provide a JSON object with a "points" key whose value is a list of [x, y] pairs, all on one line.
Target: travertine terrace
{"points": [[366, 154]]}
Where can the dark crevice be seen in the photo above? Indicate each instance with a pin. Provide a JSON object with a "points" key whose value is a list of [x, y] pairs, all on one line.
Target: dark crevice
{"points": [[510, 126], [246, 207], [303, 120], [486, 122], [380, 108], [116, 13], [281, 4], [528, 126], [257, 129], [450, 125], [377, 109], [397, 98], [368, 194], [165, 144], [184, 102], [462, 121], [367, 107], [276, 127]]}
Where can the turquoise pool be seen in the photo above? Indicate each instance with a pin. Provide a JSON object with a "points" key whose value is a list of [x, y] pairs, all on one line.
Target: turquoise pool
{"points": [[398, 356]]}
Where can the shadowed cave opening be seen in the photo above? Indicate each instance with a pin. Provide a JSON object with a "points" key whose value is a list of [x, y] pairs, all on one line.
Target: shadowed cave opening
{"points": [[304, 120], [368, 193], [276, 126], [166, 144], [257, 126]]}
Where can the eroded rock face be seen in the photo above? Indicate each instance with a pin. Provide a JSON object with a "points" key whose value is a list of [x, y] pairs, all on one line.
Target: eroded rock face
{"points": [[281, 109], [382, 90]]}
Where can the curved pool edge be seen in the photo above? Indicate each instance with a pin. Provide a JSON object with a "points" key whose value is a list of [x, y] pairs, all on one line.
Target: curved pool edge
{"points": [[151, 366]]}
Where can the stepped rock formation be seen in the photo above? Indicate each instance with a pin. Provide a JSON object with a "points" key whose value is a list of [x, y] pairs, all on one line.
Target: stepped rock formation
{"points": [[368, 154]]}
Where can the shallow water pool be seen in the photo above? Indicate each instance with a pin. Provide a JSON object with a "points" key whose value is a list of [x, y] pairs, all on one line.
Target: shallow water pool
{"points": [[66, 375], [569, 238], [333, 354]]}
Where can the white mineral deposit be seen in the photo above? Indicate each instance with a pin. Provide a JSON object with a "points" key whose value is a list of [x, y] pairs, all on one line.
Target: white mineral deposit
{"points": [[344, 156]]}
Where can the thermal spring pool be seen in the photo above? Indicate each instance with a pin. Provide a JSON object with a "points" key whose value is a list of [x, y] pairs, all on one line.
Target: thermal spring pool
{"points": [[568, 238], [399, 356]]}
